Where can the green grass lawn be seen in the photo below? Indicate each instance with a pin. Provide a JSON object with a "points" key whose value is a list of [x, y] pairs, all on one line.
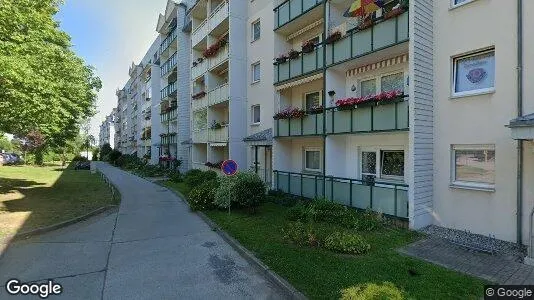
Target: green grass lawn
{"points": [[32, 197], [178, 186]]}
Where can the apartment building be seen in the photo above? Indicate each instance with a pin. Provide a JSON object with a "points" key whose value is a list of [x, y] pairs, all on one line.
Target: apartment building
{"points": [[218, 82], [121, 123], [107, 130], [175, 76]]}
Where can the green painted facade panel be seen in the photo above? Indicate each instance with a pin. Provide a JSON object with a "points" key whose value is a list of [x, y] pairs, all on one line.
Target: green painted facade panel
{"points": [[384, 117], [362, 42], [384, 34]]}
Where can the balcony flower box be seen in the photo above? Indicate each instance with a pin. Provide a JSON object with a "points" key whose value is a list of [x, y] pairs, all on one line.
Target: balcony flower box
{"points": [[282, 58], [333, 37], [293, 54], [382, 98], [212, 50], [290, 113], [308, 47], [218, 125], [314, 110], [199, 95], [213, 165], [367, 23]]}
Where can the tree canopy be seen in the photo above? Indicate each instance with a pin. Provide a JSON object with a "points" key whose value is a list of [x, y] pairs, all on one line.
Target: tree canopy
{"points": [[44, 85]]}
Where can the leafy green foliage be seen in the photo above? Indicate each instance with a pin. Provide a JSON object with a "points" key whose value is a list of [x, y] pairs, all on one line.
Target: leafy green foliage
{"points": [[373, 291], [176, 176], [195, 178], [44, 86], [105, 150], [245, 189], [113, 156], [79, 158], [5, 143], [95, 154], [302, 234], [346, 242], [202, 196]]}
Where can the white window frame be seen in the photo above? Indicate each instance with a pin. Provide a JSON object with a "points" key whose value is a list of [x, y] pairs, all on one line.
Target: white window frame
{"points": [[378, 150], [309, 93], [378, 80], [469, 184], [453, 5], [312, 149], [455, 58], [252, 114], [252, 37], [252, 66]]}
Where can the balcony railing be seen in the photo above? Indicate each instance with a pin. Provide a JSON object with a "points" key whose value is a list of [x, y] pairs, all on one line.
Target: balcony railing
{"points": [[308, 125], [218, 59], [199, 69], [168, 90], [219, 14], [169, 115], [381, 34], [168, 139], [292, 9], [167, 41], [218, 135], [390, 116], [304, 64], [218, 94], [200, 103], [199, 33], [385, 197], [200, 136], [169, 65]]}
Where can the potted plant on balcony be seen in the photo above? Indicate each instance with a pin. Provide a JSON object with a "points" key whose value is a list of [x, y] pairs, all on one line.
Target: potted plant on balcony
{"points": [[290, 113], [308, 46], [222, 41], [199, 95], [293, 54], [316, 109], [333, 37], [282, 58], [385, 97], [366, 23], [216, 125]]}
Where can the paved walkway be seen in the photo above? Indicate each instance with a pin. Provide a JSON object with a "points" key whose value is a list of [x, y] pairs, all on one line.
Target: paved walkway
{"points": [[493, 268], [151, 248]]}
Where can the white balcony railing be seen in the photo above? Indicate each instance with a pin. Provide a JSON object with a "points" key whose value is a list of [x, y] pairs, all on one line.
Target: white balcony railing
{"points": [[198, 104], [200, 136], [221, 56], [219, 135], [199, 33], [199, 69], [219, 14], [218, 94]]}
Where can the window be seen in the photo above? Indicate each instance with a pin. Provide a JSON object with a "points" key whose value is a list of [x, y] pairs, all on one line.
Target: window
{"points": [[392, 164], [312, 100], [255, 114], [256, 30], [312, 159], [368, 163], [474, 73], [455, 3], [368, 87], [393, 82], [473, 166], [256, 72], [383, 163]]}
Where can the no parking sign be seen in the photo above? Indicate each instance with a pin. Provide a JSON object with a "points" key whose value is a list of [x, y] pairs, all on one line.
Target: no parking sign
{"points": [[229, 167]]}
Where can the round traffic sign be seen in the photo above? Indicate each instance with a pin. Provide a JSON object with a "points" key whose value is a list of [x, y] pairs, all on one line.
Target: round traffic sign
{"points": [[229, 167]]}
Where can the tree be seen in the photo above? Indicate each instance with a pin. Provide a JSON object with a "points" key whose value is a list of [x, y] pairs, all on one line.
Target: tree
{"points": [[105, 151], [5, 143], [44, 86], [34, 143]]}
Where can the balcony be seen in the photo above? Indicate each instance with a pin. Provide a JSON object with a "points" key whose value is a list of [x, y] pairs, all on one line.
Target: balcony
{"points": [[309, 125], [199, 103], [169, 65], [220, 58], [383, 33], [305, 63], [199, 33], [219, 14], [168, 115], [168, 139], [290, 10], [199, 68], [200, 136], [392, 116], [218, 95], [219, 135], [385, 197], [168, 91], [167, 42]]}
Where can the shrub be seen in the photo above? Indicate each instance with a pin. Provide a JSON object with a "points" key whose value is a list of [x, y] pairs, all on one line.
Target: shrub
{"points": [[301, 234], [346, 242], [129, 162], [322, 210], [281, 198], [194, 178], [372, 291], [245, 189], [105, 150], [113, 156], [176, 176], [202, 196], [79, 158], [95, 154], [370, 221], [298, 212]]}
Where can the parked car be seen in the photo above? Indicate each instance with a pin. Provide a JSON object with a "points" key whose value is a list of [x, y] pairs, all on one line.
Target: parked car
{"points": [[82, 165]]}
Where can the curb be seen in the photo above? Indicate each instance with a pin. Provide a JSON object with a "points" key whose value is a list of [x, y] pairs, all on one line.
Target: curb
{"points": [[280, 282]]}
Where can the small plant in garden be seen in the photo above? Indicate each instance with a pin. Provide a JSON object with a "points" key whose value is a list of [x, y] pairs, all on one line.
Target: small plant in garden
{"points": [[202, 196], [372, 291], [299, 212], [345, 242], [245, 189], [301, 234], [194, 178]]}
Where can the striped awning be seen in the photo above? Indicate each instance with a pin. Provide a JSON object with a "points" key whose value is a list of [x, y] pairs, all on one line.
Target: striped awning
{"points": [[381, 64], [299, 82]]}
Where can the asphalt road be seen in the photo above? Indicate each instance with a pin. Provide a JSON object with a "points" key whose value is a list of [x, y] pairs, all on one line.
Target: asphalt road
{"points": [[152, 247]]}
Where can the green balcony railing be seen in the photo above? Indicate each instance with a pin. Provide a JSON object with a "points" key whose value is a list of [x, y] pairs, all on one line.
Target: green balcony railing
{"points": [[311, 124], [292, 9], [385, 197], [168, 41], [168, 90], [304, 64], [169, 65], [391, 116], [382, 34]]}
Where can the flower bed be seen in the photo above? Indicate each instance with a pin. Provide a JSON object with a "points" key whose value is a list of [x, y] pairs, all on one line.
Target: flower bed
{"points": [[384, 97], [290, 113]]}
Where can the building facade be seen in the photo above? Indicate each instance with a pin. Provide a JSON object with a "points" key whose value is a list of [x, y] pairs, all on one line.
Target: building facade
{"points": [[107, 130], [402, 111]]}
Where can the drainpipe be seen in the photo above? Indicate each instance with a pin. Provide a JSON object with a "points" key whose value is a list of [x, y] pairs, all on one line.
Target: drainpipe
{"points": [[519, 114], [325, 28]]}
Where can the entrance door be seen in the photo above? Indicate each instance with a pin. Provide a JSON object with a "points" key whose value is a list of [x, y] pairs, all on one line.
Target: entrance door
{"points": [[268, 166]]}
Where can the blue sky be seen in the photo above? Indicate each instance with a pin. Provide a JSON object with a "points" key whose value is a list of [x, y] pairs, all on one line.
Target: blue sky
{"points": [[109, 35]]}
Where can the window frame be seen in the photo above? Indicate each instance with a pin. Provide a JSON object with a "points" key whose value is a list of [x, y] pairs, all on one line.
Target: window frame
{"points": [[304, 104], [456, 58], [252, 66], [483, 186], [378, 81], [252, 120], [456, 5], [378, 164], [252, 36], [312, 149]]}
